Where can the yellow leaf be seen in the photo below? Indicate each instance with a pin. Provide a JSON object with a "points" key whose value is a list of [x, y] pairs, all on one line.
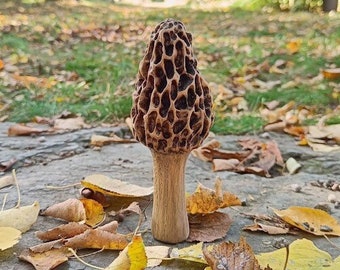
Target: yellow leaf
{"points": [[205, 200], [192, 253], [133, 257], [303, 255], [137, 254], [21, 218], [8, 237], [310, 220], [114, 187], [332, 73], [94, 212], [294, 46]]}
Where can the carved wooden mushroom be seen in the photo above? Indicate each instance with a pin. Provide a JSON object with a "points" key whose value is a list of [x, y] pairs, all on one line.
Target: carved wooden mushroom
{"points": [[171, 115]]}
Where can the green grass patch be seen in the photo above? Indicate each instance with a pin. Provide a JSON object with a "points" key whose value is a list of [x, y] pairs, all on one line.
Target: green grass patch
{"points": [[238, 125]]}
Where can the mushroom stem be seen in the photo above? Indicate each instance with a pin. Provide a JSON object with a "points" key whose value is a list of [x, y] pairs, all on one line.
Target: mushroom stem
{"points": [[169, 217]]}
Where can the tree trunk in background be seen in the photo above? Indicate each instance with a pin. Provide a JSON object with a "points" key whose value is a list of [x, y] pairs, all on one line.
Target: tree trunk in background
{"points": [[329, 5]]}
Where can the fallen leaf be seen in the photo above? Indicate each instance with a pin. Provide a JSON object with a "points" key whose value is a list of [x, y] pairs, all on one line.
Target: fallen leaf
{"points": [[2, 64], [46, 260], [293, 46], [96, 238], [331, 73], [270, 229], [114, 187], [9, 237], [70, 123], [6, 180], [205, 200], [303, 255], [6, 165], [69, 210], [62, 232], [155, 255], [99, 140], [132, 208], [23, 130], [315, 221], [292, 165], [133, 257], [192, 253], [225, 164], [21, 218], [208, 227], [28, 81], [94, 212], [227, 255], [109, 227]]}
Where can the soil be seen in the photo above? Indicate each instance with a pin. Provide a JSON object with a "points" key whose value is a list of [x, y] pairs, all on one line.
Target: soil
{"points": [[63, 159]]}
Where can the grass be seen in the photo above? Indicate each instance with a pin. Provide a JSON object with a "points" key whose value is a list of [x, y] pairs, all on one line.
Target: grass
{"points": [[94, 77]]}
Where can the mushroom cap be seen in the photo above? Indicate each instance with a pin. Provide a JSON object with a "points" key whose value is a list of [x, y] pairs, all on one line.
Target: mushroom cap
{"points": [[172, 104]]}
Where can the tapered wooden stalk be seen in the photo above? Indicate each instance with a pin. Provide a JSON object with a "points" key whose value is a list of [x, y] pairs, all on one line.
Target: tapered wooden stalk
{"points": [[169, 216]]}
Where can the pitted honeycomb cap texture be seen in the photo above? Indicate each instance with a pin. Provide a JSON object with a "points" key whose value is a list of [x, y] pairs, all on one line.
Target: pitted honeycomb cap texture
{"points": [[172, 103]]}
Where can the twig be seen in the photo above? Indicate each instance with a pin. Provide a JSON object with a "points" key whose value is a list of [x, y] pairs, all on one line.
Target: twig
{"points": [[62, 187], [82, 261], [90, 254], [17, 187], [287, 256], [4, 202], [334, 245]]}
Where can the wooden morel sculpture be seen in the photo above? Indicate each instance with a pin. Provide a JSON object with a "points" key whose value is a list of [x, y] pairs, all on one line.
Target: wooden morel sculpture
{"points": [[171, 115]]}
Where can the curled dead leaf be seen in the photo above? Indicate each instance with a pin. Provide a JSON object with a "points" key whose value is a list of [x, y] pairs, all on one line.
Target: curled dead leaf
{"points": [[205, 200], [227, 255]]}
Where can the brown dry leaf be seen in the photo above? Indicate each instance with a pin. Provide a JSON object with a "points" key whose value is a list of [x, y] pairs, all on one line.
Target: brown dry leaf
{"points": [[74, 123], [331, 73], [208, 227], [297, 131], [9, 237], [94, 212], [96, 238], [205, 200], [28, 81], [114, 187], [211, 151], [231, 256], [46, 260], [314, 221], [69, 210], [275, 126], [132, 208], [99, 140], [6, 165], [6, 180], [62, 232], [23, 130], [270, 229], [109, 227], [225, 164]]}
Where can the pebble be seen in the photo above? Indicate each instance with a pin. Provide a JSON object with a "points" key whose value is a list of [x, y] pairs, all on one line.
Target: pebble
{"points": [[337, 205], [332, 198], [323, 206], [296, 188]]}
